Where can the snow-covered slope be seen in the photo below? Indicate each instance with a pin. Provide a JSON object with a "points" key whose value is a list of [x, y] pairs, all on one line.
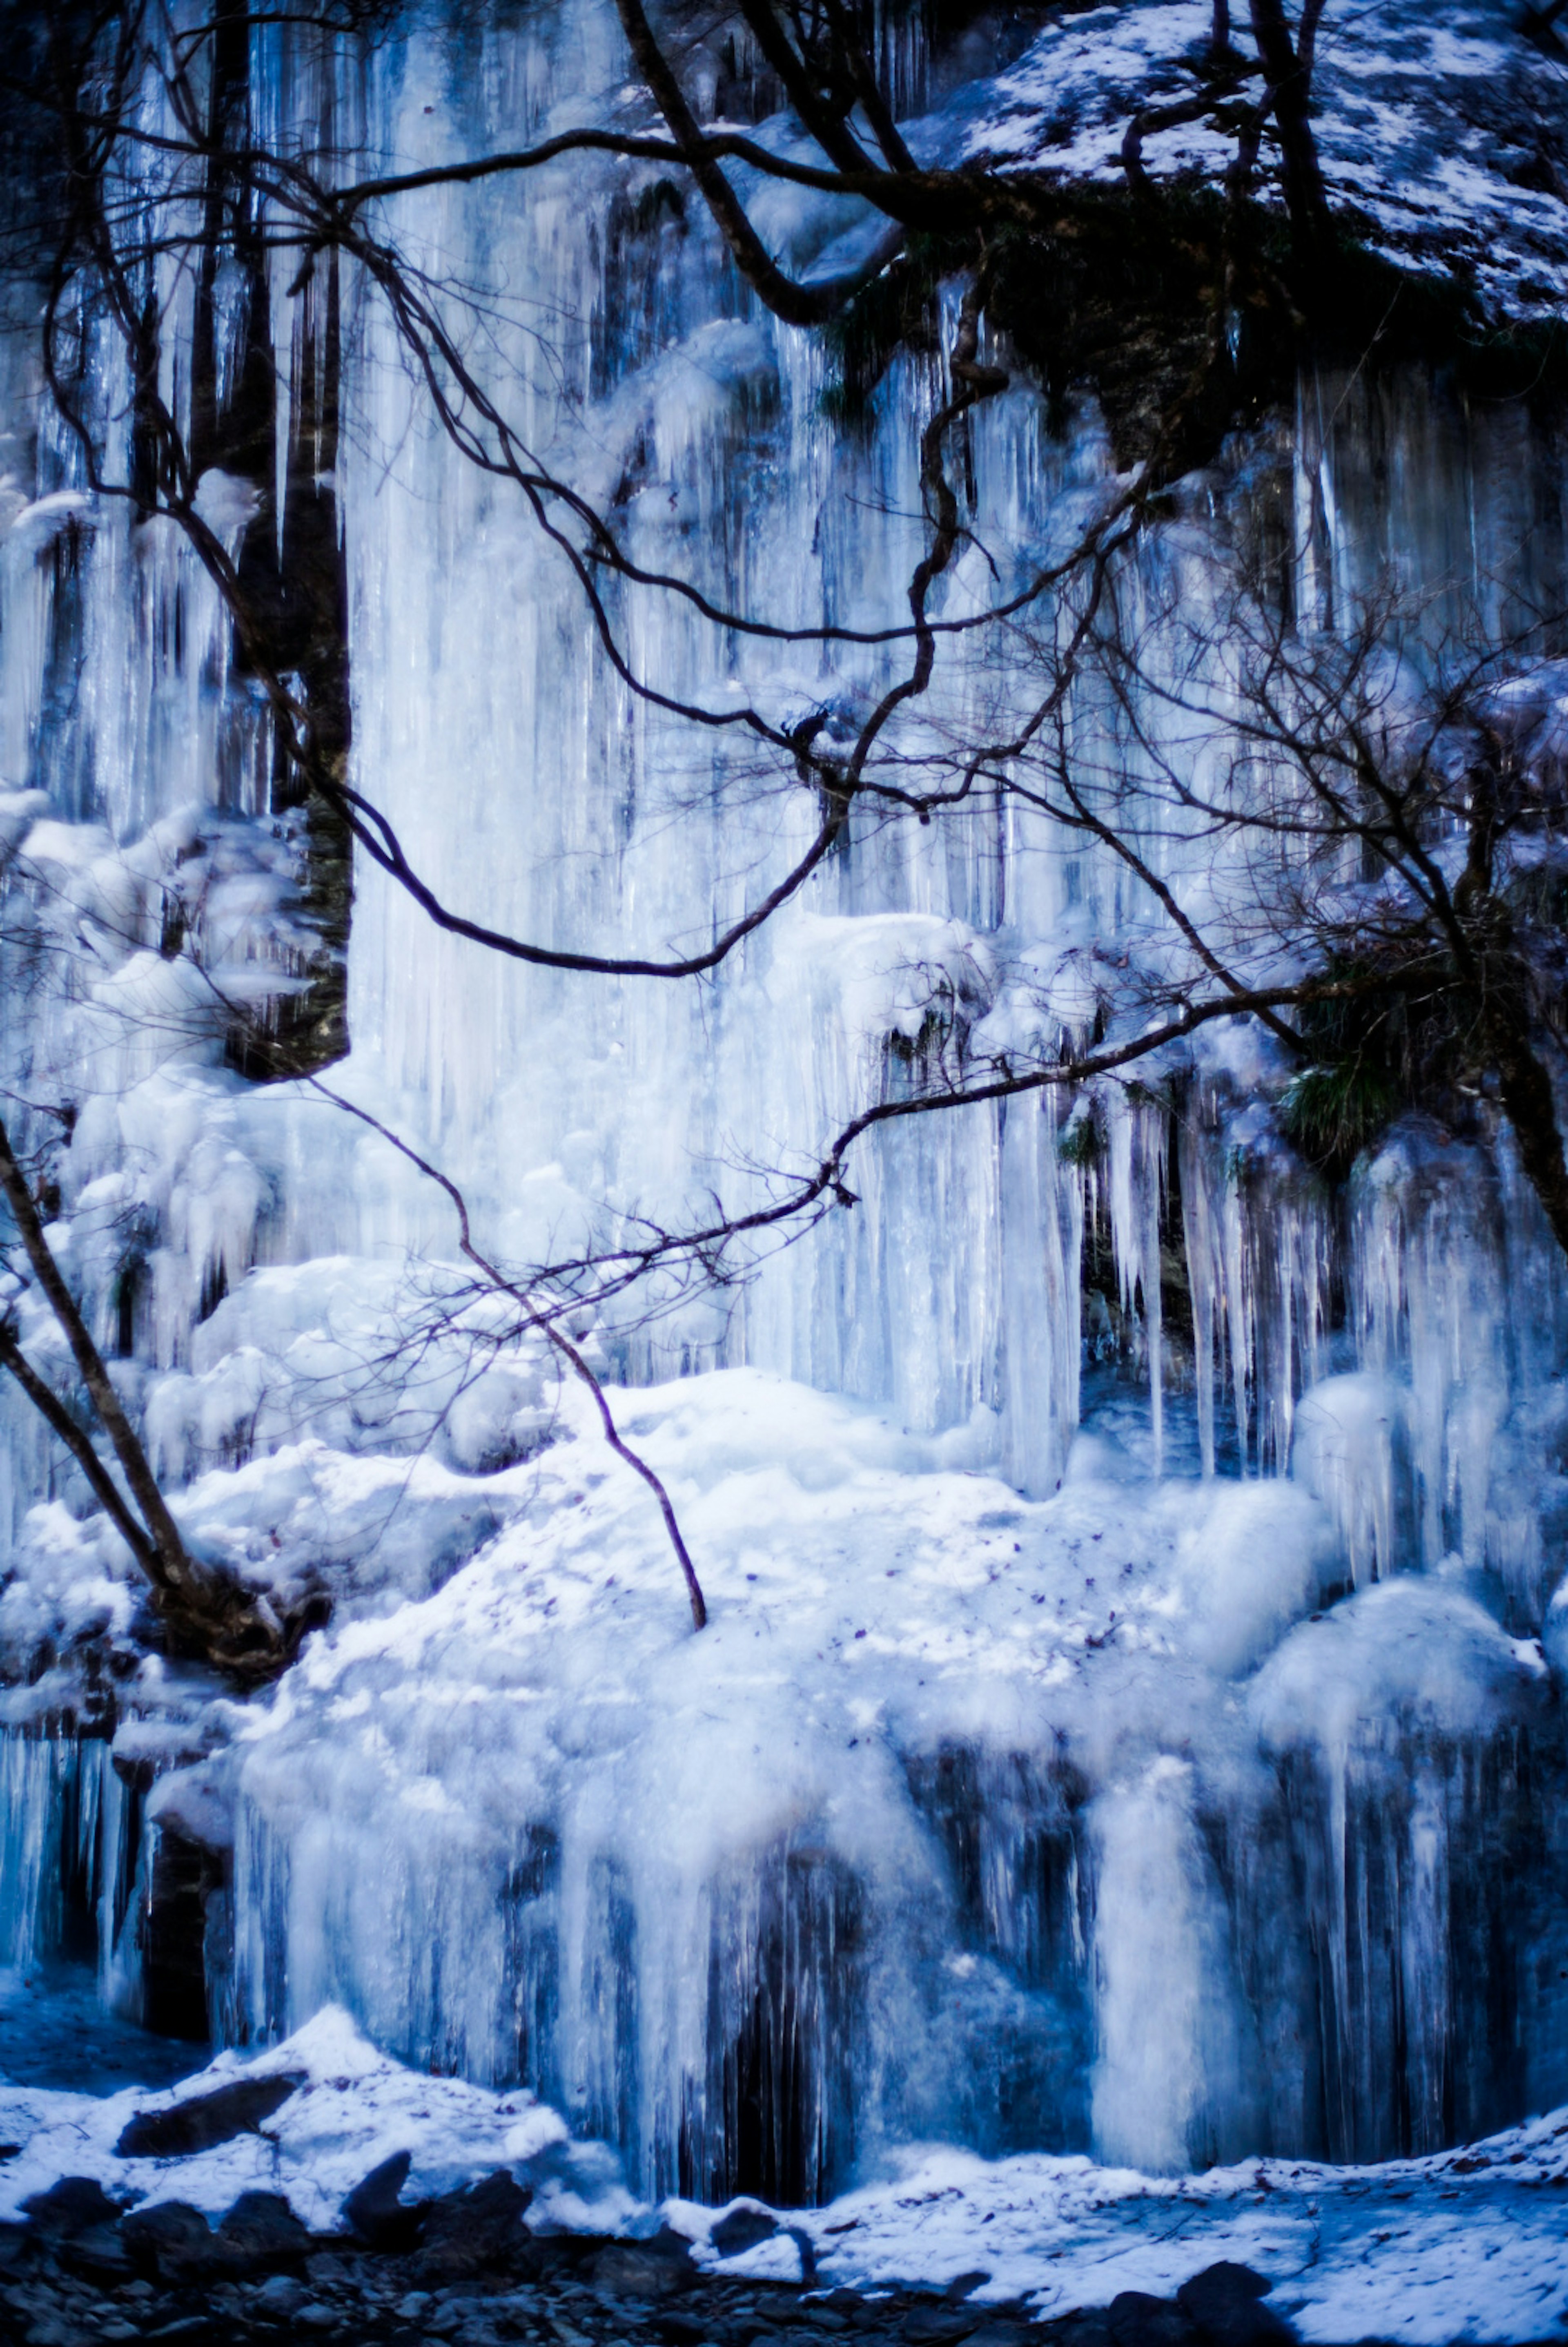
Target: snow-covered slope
{"points": [[1443, 131], [1466, 2246]]}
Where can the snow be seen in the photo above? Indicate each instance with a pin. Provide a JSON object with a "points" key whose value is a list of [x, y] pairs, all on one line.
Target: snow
{"points": [[1416, 1651], [870, 1610], [1428, 123], [352, 2110], [1469, 2246], [1420, 2252]]}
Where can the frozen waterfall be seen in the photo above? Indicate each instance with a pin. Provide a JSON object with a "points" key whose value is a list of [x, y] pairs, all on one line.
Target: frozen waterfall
{"points": [[1125, 1721]]}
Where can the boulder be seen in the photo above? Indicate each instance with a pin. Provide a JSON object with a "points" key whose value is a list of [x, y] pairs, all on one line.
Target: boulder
{"points": [[741, 2228], [71, 2207], [172, 2241], [261, 2234], [203, 2120], [1224, 2303], [280, 2297], [1082, 2331], [99, 2254], [654, 2269], [472, 2230], [1136, 2320], [375, 2214]]}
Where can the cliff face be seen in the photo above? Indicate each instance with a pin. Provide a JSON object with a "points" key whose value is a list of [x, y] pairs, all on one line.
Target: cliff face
{"points": [[1131, 1531]]}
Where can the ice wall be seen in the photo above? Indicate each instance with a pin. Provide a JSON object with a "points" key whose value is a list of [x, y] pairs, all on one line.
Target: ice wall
{"points": [[575, 1100], [1152, 1924], [74, 1871]]}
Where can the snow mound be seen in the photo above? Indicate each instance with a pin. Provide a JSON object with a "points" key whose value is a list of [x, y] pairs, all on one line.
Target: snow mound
{"points": [[1468, 2245], [352, 2110]]}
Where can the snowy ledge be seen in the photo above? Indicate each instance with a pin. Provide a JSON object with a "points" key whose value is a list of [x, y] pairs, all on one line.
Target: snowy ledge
{"points": [[1442, 129], [1463, 2245]]}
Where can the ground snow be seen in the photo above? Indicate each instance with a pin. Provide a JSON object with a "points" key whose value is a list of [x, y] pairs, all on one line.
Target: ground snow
{"points": [[354, 2110], [1466, 2245], [1471, 2245]]}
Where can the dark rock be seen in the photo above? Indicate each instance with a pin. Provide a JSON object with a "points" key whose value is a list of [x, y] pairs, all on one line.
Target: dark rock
{"points": [[261, 2234], [555, 2256], [1013, 2334], [206, 2119], [940, 2326], [1136, 2320], [1225, 2284], [1224, 2303], [655, 2268], [99, 2253], [376, 2215], [668, 2243], [741, 2228], [466, 2231], [280, 2297], [184, 1876], [963, 2284], [71, 2206], [172, 2241]]}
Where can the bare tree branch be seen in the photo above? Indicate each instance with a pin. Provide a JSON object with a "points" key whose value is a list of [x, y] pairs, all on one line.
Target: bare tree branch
{"points": [[545, 1326]]}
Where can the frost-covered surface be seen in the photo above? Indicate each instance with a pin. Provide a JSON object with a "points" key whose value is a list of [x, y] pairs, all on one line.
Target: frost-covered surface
{"points": [[1469, 2246], [1443, 129], [352, 2110], [1466, 2246], [901, 1650], [873, 1607]]}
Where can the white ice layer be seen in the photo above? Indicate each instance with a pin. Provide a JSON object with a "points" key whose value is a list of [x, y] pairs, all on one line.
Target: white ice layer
{"points": [[914, 1797]]}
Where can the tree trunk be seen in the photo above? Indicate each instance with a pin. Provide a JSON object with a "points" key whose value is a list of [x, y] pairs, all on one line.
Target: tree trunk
{"points": [[204, 1615], [1289, 91]]}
